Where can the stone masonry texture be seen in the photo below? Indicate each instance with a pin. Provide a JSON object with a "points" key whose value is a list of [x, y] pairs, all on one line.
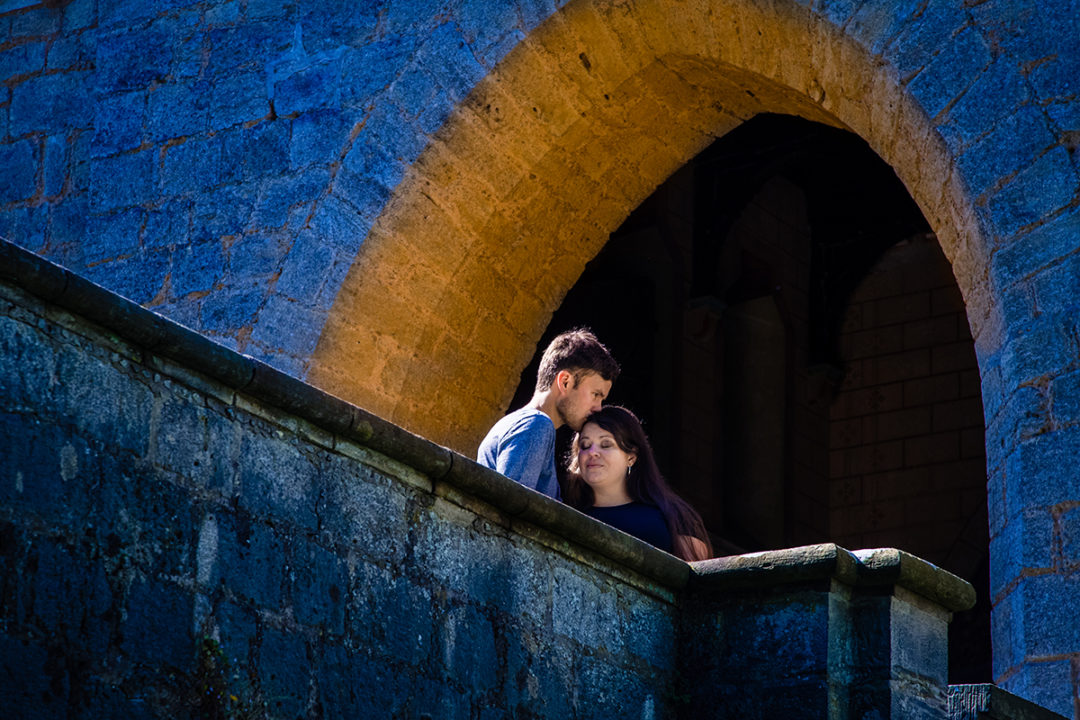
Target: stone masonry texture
{"points": [[175, 547], [226, 163], [172, 549]]}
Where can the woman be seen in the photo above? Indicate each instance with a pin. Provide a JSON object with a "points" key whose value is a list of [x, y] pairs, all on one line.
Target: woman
{"points": [[613, 477]]}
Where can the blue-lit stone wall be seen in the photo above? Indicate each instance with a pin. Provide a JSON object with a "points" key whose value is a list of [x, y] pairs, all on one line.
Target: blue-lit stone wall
{"points": [[222, 162], [172, 548]]}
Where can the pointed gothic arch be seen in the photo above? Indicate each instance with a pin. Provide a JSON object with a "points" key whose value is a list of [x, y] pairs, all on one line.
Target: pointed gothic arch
{"points": [[574, 128]]}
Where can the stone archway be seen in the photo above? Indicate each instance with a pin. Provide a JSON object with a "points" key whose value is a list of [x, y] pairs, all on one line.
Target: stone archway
{"points": [[576, 126]]}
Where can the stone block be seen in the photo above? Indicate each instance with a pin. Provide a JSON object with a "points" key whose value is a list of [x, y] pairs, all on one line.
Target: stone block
{"points": [[1034, 250], [168, 225], [1009, 148], [328, 26], [398, 136], [177, 109], [294, 327], [318, 137], [904, 423], [1054, 288], [365, 180], [280, 194], [306, 268], [26, 226], [125, 12], [1036, 192], [132, 60], [124, 180], [919, 638], [413, 90], [156, 625], [339, 224], [226, 211], [948, 73], [197, 268], [1024, 543], [901, 366], [309, 88], [583, 609], [79, 177], [1043, 346], [249, 45], [54, 167], [1046, 601], [266, 149], [223, 13], [1047, 683], [19, 180], [876, 24], [180, 441], [39, 21], [227, 311], [50, 104], [466, 652], [284, 679], [837, 12], [25, 59], [146, 521], [139, 278], [192, 166], [997, 93], [370, 69], [238, 98], [930, 390], [1070, 537], [450, 60], [958, 414], [1041, 471], [275, 479], [319, 588], [379, 594], [71, 53], [251, 561], [78, 15]]}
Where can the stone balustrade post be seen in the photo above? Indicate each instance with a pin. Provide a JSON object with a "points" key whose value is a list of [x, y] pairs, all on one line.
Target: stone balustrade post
{"points": [[818, 632]]}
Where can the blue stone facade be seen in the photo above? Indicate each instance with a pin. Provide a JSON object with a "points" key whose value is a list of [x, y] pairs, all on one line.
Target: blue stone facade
{"points": [[222, 162]]}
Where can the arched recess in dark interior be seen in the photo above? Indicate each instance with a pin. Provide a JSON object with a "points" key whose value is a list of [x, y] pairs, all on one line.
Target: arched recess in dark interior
{"points": [[795, 342]]}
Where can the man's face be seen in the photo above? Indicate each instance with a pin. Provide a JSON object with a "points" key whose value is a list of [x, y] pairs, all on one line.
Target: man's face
{"points": [[581, 399]]}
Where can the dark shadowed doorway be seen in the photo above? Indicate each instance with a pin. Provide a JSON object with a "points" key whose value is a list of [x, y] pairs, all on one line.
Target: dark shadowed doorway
{"points": [[794, 340]]}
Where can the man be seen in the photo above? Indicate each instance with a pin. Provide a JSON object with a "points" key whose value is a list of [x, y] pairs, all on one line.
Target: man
{"points": [[575, 375]]}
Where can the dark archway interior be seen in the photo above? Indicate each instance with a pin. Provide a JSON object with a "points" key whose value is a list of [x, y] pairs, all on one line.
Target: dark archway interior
{"points": [[793, 339]]}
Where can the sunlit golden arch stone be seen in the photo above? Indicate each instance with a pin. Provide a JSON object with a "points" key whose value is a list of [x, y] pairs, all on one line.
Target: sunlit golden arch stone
{"points": [[574, 129]]}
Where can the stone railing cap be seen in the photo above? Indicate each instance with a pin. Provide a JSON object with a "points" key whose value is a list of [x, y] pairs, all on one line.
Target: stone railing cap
{"points": [[160, 336], [989, 702], [867, 568]]}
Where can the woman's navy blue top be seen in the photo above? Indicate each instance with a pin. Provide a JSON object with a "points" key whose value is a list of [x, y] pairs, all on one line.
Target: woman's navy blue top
{"points": [[644, 522]]}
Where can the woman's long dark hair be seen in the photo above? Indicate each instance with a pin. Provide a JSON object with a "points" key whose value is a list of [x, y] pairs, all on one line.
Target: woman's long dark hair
{"points": [[644, 483]]}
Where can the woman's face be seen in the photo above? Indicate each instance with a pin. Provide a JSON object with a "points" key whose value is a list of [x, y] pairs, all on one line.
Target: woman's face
{"points": [[601, 462]]}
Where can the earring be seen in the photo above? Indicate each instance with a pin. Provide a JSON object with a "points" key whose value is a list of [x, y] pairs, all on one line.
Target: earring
{"points": [[629, 467]]}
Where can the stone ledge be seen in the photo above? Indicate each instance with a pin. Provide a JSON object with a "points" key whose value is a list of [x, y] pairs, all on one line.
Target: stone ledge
{"points": [[989, 702], [827, 561], [159, 336]]}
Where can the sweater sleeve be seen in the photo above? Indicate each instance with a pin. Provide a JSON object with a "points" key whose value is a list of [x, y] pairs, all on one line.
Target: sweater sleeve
{"points": [[527, 451]]}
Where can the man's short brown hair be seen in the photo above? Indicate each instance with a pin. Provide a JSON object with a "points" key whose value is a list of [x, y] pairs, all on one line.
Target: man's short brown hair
{"points": [[579, 352]]}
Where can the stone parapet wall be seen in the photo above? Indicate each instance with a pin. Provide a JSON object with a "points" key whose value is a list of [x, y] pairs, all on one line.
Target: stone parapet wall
{"points": [[158, 523], [186, 531]]}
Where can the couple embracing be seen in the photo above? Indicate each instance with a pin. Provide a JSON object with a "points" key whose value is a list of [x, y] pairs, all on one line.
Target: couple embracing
{"points": [[611, 472]]}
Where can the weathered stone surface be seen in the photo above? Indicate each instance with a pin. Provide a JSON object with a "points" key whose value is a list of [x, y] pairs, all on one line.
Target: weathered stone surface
{"points": [[187, 533], [226, 162]]}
